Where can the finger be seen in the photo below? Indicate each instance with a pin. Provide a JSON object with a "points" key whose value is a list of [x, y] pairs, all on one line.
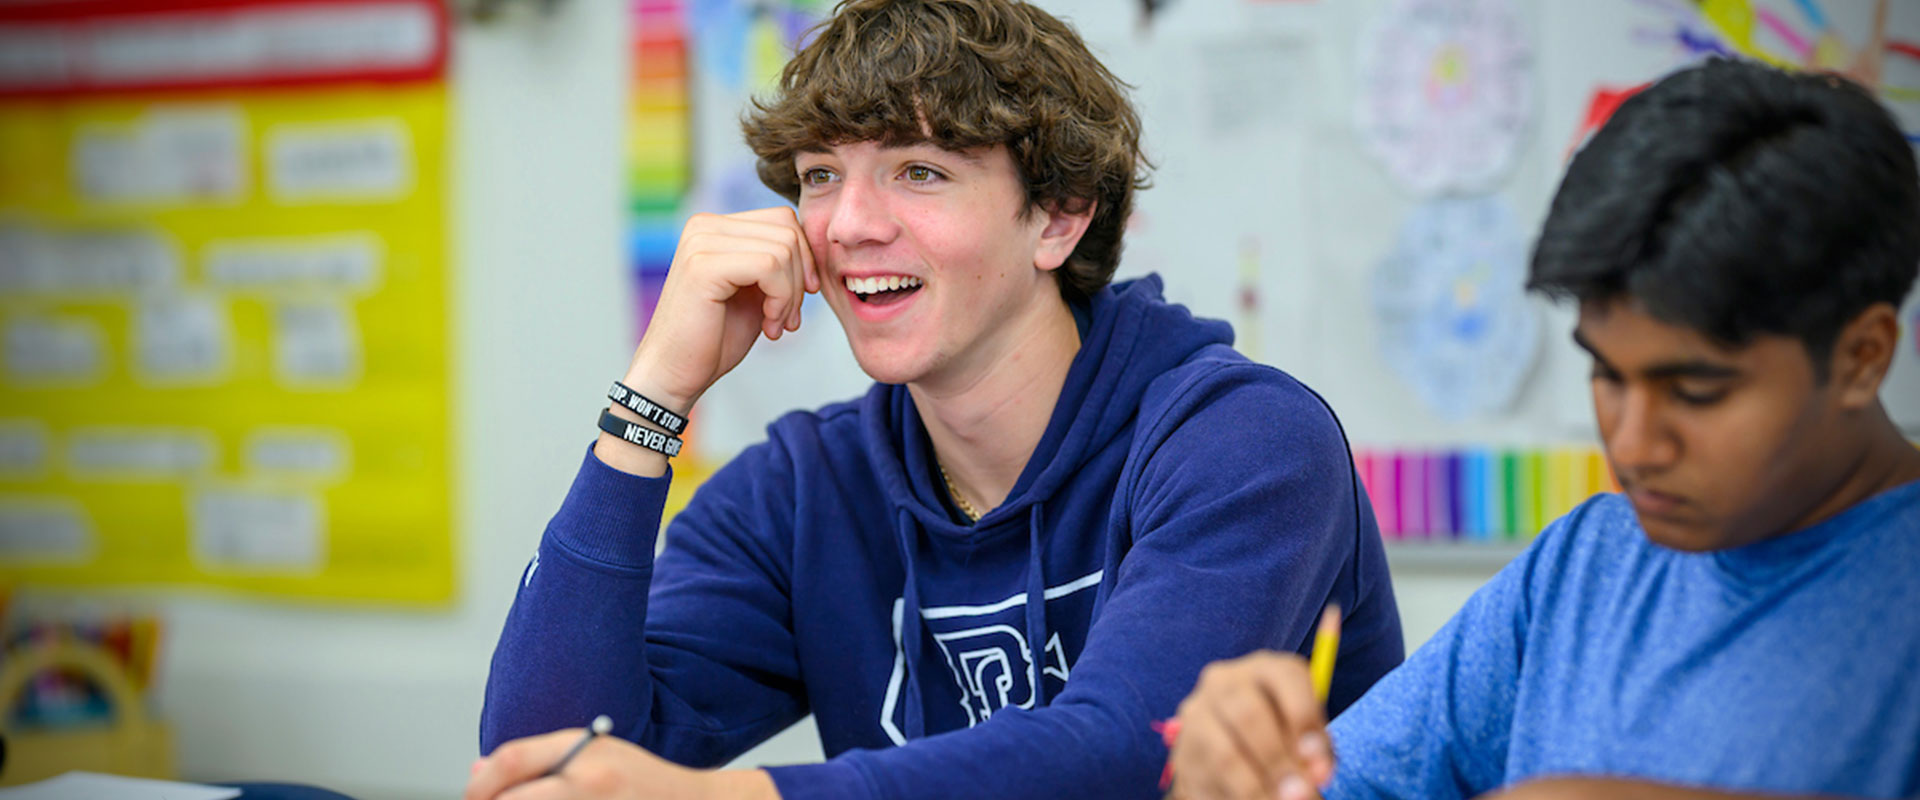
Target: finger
{"points": [[809, 268], [519, 761], [714, 243], [785, 230], [548, 788], [762, 271], [800, 280], [1210, 764], [770, 214], [794, 234], [776, 313], [786, 292], [1286, 681], [811, 265], [791, 319], [777, 224], [785, 217], [1253, 725], [1206, 763], [705, 246], [710, 233], [591, 775], [769, 267]]}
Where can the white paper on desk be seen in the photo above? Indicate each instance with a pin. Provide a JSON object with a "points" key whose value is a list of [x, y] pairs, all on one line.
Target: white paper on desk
{"points": [[96, 786]]}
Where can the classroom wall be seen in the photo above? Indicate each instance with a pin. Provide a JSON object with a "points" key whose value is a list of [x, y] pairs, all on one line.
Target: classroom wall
{"points": [[384, 704]]}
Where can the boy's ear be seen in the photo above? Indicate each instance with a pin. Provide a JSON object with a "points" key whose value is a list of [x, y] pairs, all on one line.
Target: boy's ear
{"points": [[1862, 354], [1066, 223]]}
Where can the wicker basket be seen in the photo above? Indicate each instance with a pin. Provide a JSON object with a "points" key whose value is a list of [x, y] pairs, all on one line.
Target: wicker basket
{"points": [[130, 745]]}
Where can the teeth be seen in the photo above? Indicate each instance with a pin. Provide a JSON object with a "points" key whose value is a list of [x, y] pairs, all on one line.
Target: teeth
{"points": [[881, 284]]}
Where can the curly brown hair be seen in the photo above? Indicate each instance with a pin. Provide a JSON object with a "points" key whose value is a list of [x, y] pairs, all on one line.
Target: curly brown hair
{"points": [[962, 74]]}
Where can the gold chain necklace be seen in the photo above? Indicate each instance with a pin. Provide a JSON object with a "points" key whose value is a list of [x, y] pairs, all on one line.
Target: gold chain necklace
{"points": [[954, 492]]}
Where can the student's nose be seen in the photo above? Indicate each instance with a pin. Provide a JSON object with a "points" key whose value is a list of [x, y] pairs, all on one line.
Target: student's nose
{"points": [[1639, 439], [860, 215]]}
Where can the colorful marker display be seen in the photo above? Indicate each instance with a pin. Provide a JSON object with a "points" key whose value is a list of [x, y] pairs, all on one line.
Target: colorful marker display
{"points": [[1478, 493], [659, 145]]}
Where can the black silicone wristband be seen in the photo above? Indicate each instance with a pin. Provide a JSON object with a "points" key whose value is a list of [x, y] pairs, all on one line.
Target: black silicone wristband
{"points": [[639, 404], [639, 434]]}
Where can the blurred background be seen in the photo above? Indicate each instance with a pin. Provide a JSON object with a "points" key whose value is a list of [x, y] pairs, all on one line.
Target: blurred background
{"points": [[307, 307]]}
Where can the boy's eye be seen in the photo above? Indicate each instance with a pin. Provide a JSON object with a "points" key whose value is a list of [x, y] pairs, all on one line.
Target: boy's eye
{"points": [[920, 174], [814, 176], [1697, 395], [1601, 373]]}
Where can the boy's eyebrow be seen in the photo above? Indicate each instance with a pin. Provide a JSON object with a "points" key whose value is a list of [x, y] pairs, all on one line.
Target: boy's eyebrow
{"points": [[969, 155], [1581, 339], [1689, 368]]}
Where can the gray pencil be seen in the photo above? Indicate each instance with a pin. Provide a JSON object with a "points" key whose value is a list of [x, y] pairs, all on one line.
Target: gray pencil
{"points": [[601, 724]]}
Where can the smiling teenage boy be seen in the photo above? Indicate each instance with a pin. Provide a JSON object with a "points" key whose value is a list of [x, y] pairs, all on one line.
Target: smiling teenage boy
{"points": [[994, 572], [1745, 616]]}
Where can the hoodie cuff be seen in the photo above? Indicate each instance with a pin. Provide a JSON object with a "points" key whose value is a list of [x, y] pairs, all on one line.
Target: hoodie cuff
{"points": [[611, 516], [838, 778]]}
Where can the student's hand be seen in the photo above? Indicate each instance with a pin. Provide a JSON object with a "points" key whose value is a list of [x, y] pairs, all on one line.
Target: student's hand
{"points": [[1252, 729], [734, 279], [608, 767]]}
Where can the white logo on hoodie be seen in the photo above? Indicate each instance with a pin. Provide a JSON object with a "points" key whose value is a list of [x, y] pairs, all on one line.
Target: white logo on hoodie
{"points": [[990, 661]]}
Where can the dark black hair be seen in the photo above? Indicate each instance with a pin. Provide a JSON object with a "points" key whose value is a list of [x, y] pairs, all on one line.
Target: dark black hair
{"points": [[1738, 199]]}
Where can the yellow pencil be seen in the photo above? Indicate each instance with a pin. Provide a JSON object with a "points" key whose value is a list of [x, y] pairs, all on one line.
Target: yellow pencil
{"points": [[1326, 642]]}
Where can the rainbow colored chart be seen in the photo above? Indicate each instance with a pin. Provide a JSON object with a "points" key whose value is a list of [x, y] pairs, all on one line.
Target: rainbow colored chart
{"points": [[1478, 493], [659, 145]]}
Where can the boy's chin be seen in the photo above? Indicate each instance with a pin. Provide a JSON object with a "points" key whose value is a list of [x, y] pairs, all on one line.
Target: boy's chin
{"points": [[888, 367]]}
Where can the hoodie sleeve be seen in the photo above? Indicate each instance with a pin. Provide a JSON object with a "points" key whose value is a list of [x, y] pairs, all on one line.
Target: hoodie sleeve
{"points": [[698, 666], [1243, 519]]}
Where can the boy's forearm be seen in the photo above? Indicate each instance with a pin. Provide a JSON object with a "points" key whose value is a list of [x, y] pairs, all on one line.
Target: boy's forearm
{"points": [[1622, 789]]}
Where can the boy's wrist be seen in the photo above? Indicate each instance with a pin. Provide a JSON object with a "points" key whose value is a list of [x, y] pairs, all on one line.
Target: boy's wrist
{"points": [[744, 784], [652, 378]]}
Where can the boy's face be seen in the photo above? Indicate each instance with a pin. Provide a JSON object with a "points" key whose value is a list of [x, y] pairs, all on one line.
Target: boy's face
{"points": [[1716, 447], [944, 228]]}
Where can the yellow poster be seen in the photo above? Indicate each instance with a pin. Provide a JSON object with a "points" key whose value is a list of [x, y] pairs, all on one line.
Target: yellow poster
{"points": [[224, 316]]}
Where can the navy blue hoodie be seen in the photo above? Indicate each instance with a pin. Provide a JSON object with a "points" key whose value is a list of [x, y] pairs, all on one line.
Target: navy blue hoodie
{"points": [[1184, 505]]}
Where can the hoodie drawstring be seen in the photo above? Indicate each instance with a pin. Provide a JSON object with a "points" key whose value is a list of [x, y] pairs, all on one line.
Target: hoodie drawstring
{"points": [[1037, 607], [910, 634]]}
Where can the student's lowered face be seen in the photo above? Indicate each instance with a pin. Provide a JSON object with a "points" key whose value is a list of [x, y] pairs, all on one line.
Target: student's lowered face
{"points": [[1716, 447]]}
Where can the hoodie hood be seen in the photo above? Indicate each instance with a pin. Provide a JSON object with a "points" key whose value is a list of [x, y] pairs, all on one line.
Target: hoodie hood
{"points": [[1134, 336]]}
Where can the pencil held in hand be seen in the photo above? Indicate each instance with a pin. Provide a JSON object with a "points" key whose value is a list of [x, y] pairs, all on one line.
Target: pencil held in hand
{"points": [[601, 724], [1326, 643]]}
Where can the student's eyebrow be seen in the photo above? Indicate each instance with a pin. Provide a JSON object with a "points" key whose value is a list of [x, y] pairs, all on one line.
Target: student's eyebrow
{"points": [[965, 155], [1581, 339], [1690, 368]]}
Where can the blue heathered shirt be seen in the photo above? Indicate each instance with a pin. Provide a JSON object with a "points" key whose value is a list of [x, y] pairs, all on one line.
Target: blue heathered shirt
{"points": [[1784, 666]]}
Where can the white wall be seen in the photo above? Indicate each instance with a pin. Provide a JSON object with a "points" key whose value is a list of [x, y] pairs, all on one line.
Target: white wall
{"points": [[382, 704]]}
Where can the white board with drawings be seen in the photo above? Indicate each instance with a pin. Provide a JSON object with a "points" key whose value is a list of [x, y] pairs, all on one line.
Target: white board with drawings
{"points": [[1267, 210]]}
